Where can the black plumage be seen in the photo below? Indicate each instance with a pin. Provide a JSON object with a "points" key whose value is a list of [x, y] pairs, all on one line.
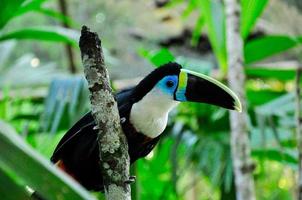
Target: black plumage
{"points": [[77, 152]]}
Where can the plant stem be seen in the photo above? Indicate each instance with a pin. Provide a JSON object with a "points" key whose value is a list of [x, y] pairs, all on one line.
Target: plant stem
{"points": [[113, 147], [242, 164], [68, 48]]}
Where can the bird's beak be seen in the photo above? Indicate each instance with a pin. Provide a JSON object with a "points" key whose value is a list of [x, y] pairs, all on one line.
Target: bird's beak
{"points": [[196, 87]]}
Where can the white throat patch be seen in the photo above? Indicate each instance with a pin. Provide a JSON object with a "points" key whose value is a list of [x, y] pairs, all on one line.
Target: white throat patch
{"points": [[150, 114]]}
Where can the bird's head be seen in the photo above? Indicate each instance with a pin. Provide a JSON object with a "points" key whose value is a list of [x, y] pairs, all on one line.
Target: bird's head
{"points": [[175, 83]]}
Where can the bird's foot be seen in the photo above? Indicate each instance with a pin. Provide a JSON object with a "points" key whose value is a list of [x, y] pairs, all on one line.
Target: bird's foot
{"points": [[131, 179]]}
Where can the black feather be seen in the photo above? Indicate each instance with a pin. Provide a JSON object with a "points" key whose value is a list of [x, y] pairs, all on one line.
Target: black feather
{"points": [[78, 149]]}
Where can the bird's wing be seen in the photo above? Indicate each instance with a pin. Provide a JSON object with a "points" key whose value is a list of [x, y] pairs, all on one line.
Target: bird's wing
{"points": [[85, 126], [124, 102], [79, 128]]}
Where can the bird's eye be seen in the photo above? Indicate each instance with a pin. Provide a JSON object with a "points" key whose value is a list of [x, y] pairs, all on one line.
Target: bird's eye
{"points": [[170, 83]]}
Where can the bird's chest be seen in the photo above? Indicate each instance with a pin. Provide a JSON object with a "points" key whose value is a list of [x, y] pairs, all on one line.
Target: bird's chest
{"points": [[148, 121], [149, 115]]}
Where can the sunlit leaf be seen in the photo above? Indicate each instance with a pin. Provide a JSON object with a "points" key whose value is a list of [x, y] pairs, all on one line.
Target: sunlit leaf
{"points": [[192, 4], [251, 11], [157, 58], [213, 13], [35, 171], [275, 155], [30, 5], [8, 10]]}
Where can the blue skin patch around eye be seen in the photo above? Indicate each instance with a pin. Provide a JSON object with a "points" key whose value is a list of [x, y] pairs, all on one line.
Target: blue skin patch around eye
{"points": [[166, 88]]}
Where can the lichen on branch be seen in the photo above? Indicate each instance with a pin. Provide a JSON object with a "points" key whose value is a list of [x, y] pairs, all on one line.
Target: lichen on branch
{"points": [[113, 147]]}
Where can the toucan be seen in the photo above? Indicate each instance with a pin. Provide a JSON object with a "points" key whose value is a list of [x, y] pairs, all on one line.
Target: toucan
{"points": [[143, 111]]}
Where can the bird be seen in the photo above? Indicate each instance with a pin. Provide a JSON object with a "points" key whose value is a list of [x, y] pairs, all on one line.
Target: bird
{"points": [[143, 111]]}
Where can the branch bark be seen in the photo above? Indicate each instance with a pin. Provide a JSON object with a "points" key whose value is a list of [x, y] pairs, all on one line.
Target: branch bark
{"points": [[299, 128], [242, 164], [113, 147]]}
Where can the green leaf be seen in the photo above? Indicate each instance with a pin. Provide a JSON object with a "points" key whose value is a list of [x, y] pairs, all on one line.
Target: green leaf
{"points": [[157, 58], [13, 8], [56, 15], [213, 13], [251, 11], [64, 104], [8, 10], [260, 48], [284, 103], [259, 97], [56, 34], [34, 170], [192, 4], [30, 5], [197, 30], [10, 189], [267, 72], [275, 155]]}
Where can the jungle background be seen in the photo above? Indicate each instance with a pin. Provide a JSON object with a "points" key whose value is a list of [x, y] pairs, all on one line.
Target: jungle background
{"points": [[43, 91]]}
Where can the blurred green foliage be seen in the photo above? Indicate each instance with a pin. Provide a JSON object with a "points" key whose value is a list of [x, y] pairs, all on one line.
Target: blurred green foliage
{"points": [[193, 160]]}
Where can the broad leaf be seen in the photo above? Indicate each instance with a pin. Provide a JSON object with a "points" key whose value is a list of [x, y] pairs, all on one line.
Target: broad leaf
{"points": [[275, 155], [34, 170], [13, 8], [260, 97], [157, 58], [267, 72], [10, 189], [265, 47]]}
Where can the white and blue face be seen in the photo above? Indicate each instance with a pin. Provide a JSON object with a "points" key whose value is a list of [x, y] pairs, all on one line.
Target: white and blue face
{"points": [[150, 114], [168, 85], [195, 87]]}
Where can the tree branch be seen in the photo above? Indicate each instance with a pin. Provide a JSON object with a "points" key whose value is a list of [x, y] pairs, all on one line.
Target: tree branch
{"points": [[113, 147]]}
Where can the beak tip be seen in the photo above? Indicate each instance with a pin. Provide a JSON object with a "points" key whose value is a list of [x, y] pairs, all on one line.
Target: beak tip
{"points": [[237, 106]]}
